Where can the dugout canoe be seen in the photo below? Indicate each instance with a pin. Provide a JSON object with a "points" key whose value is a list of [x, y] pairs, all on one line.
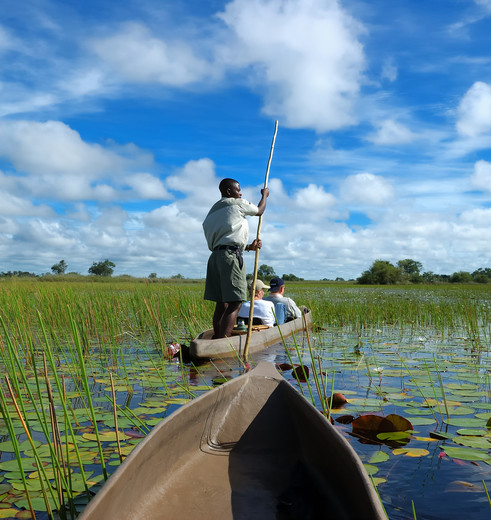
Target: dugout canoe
{"points": [[251, 448], [203, 347]]}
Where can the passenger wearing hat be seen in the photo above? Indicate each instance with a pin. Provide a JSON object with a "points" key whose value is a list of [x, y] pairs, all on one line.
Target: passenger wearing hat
{"points": [[262, 309], [277, 295]]}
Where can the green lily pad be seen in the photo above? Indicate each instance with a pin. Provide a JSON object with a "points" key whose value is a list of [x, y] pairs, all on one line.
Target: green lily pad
{"points": [[484, 415], [28, 464], [466, 422], [371, 469], [483, 443], [420, 421], [469, 431], [378, 480], [461, 386], [458, 410], [467, 454], [394, 436], [378, 457], [4, 488]]}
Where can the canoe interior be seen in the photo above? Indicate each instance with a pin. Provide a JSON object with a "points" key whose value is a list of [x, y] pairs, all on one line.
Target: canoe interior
{"points": [[203, 347], [253, 448]]}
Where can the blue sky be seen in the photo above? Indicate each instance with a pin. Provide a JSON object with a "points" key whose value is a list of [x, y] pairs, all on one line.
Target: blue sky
{"points": [[118, 120]]}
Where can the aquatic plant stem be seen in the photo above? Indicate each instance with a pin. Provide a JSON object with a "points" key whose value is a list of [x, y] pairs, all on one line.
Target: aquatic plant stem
{"points": [[115, 418], [486, 491], [88, 396], [36, 454], [15, 444]]}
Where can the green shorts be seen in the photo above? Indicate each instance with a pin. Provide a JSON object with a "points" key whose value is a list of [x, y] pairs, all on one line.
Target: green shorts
{"points": [[225, 280]]}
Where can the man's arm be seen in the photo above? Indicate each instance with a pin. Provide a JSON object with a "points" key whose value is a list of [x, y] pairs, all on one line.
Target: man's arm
{"points": [[294, 309], [262, 203]]}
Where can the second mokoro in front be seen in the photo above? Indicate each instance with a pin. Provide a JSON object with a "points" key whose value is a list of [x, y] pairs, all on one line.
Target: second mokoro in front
{"points": [[253, 448], [203, 347]]}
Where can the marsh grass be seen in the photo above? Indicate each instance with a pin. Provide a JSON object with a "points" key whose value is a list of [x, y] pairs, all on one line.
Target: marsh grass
{"points": [[87, 363]]}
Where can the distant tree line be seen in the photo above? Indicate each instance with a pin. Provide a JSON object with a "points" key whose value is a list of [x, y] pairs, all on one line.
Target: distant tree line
{"points": [[383, 272], [103, 268], [266, 273]]}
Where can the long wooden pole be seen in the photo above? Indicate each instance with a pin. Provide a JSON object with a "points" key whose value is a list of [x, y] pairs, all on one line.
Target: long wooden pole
{"points": [[256, 258]]}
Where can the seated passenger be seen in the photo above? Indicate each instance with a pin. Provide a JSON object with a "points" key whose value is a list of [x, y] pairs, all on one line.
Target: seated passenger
{"points": [[277, 295], [262, 309]]}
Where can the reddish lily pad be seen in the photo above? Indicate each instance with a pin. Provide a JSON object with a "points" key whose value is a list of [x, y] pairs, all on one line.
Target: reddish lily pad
{"points": [[301, 373]]}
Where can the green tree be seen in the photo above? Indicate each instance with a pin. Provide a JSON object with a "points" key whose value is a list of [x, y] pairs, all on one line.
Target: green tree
{"points": [[411, 270], [381, 273], [152, 275], [60, 267], [105, 268], [291, 278], [482, 275], [265, 272], [460, 277], [409, 266], [429, 277]]}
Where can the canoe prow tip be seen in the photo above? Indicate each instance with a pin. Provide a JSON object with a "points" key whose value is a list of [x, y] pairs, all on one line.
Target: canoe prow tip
{"points": [[266, 369]]}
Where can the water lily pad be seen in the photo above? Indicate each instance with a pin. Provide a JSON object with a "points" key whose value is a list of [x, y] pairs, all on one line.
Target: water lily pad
{"points": [[421, 421], [484, 415], [466, 422], [467, 454], [469, 431], [378, 480], [461, 386], [459, 410], [104, 436], [38, 503], [4, 488], [411, 452], [441, 404], [371, 469], [28, 464], [7, 446], [394, 436], [483, 443], [378, 457]]}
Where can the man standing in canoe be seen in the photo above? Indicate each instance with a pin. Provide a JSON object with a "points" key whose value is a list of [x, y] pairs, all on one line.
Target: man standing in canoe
{"points": [[227, 233]]}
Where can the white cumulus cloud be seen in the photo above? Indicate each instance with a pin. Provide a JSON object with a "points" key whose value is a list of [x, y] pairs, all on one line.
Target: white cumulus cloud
{"points": [[315, 198], [306, 54], [57, 164], [391, 132], [53, 148], [147, 186], [474, 111], [138, 56], [481, 178], [366, 188]]}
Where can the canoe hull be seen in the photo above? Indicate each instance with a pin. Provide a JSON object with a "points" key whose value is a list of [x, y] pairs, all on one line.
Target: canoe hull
{"points": [[252, 448], [203, 347]]}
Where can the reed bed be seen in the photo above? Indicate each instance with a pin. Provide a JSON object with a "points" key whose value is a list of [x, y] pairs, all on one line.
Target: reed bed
{"points": [[86, 371]]}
